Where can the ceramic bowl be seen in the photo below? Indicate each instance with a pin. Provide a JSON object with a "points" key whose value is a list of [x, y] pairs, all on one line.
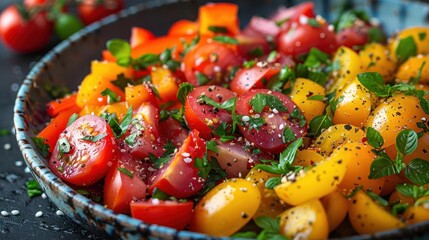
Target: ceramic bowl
{"points": [[69, 62]]}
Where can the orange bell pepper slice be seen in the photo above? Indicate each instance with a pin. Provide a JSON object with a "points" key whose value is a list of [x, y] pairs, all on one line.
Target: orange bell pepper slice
{"points": [[58, 105], [183, 27], [165, 83], [139, 36], [159, 44], [218, 15]]}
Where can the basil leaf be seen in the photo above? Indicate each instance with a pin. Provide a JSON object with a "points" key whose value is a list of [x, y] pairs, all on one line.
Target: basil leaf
{"points": [[287, 157], [41, 146], [201, 78], [381, 167], [225, 39], [272, 56], [131, 139], [271, 183], [119, 48], [212, 145], [63, 146], [288, 135], [184, 90], [33, 188], [375, 35], [226, 105], [406, 141], [72, 118], [316, 58], [94, 138], [268, 223], [256, 52], [348, 18], [374, 138], [111, 96], [245, 235], [261, 100], [316, 98], [126, 172], [374, 82], [318, 125], [218, 29], [406, 49], [313, 22], [417, 171], [158, 194], [249, 64], [405, 189], [424, 104], [378, 199], [296, 114], [269, 169], [126, 121], [122, 82], [145, 61]]}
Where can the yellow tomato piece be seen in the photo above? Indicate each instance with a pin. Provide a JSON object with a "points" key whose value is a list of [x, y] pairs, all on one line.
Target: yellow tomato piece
{"points": [[165, 83], [419, 212], [120, 108], [390, 183], [349, 66], [314, 183], [359, 158], [420, 36], [301, 91], [354, 106], [410, 69], [226, 208], [395, 114], [397, 197], [336, 207], [308, 157], [271, 205], [305, 221], [367, 217], [376, 57], [336, 135]]}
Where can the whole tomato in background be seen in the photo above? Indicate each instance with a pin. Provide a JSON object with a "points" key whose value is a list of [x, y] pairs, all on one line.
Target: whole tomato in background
{"points": [[18, 26], [90, 11]]}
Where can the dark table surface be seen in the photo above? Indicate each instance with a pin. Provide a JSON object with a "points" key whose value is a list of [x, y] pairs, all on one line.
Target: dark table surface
{"points": [[13, 173]]}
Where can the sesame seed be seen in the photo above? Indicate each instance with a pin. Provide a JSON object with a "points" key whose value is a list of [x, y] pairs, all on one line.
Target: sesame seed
{"points": [[27, 170], [187, 160], [18, 163], [15, 212], [4, 213], [245, 118], [7, 146], [155, 200], [38, 214], [275, 110], [44, 195], [59, 213], [185, 154]]}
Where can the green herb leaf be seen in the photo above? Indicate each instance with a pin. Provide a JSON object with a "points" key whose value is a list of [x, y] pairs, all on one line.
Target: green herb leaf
{"points": [[424, 103], [63, 146], [271, 183], [348, 18], [41, 146], [244, 235], [374, 138], [111, 96], [225, 39], [313, 22], [374, 82], [94, 138], [268, 223], [125, 122], [375, 35], [406, 49], [223, 133], [318, 124], [249, 64], [184, 90], [212, 145], [158, 194], [399, 208], [406, 141], [417, 171], [218, 29], [145, 61], [255, 123], [121, 50], [166, 156], [281, 22], [287, 157], [380, 167], [272, 56], [261, 100], [269, 168], [72, 118], [316, 98], [33, 188], [288, 135], [277, 82], [422, 36], [201, 79], [316, 58], [131, 139], [228, 105], [126, 172], [383, 202], [296, 114], [257, 52], [122, 82], [415, 80]]}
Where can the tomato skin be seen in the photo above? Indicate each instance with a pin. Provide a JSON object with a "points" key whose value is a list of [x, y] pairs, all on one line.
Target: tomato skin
{"points": [[183, 27], [248, 78], [302, 37], [159, 212], [268, 137], [202, 116], [173, 131], [119, 188], [293, 13], [352, 37], [90, 11], [140, 36], [179, 177], [15, 31], [211, 59], [87, 161]]}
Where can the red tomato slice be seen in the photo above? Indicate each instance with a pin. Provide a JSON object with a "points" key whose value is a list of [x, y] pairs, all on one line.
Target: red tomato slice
{"points": [[213, 60], [183, 27], [291, 15], [165, 213], [179, 177], [302, 37], [248, 44], [204, 117], [262, 27], [173, 131], [84, 162], [269, 136], [140, 36], [250, 78], [90, 11], [351, 37], [120, 188]]}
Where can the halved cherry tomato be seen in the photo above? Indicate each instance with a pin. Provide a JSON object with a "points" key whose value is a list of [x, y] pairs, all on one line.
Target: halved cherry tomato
{"points": [[202, 116], [173, 131], [292, 14], [251, 78], [84, 151], [353, 37], [269, 136], [183, 27], [165, 213], [179, 177], [140, 36], [123, 183], [211, 61], [90, 11]]}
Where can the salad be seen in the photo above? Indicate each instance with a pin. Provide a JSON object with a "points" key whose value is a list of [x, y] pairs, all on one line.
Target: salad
{"points": [[289, 128]]}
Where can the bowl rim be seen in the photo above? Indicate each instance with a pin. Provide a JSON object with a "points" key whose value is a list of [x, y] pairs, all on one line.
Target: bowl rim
{"points": [[41, 171]]}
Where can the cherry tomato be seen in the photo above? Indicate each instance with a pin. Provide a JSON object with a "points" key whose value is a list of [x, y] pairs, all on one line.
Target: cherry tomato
{"points": [[183, 27], [251, 46], [67, 24], [84, 151], [248, 78], [202, 116], [165, 213], [90, 11], [24, 35], [269, 136], [300, 38], [208, 63], [123, 183], [292, 14], [140, 36], [173, 131], [179, 177], [353, 37]]}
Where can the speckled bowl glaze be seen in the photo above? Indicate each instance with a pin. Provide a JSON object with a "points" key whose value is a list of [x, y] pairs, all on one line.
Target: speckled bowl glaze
{"points": [[69, 62]]}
